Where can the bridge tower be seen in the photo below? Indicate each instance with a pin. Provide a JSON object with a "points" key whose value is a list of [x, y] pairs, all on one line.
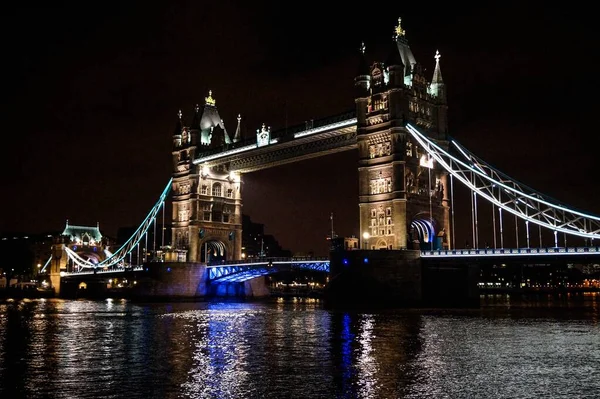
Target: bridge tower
{"points": [[207, 202], [403, 200]]}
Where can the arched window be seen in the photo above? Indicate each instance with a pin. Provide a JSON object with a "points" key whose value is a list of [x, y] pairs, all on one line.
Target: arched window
{"points": [[216, 190]]}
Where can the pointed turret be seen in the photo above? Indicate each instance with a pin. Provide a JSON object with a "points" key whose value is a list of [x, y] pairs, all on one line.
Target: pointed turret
{"points": [[362, 81], [437, 87], [238, 132], [178, 124], [395, 65], [209, 121], [177, 132], [405, 53], [196, 121]]}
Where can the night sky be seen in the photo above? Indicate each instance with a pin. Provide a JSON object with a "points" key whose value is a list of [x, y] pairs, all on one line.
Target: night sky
{"points": [[92, 89]]}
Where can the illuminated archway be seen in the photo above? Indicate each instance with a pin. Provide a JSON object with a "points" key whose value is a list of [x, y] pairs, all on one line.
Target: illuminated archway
{"points": [[422, 233], [213, 251]]}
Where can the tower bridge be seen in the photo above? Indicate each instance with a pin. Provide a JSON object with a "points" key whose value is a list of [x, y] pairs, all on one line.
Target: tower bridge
{"points": [[408, 166]]}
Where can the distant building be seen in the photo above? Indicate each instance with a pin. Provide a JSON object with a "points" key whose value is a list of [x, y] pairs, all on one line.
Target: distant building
{"points": [[256, 244], [345, 243]]}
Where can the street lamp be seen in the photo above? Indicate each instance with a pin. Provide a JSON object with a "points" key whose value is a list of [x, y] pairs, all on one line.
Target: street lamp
{"points": [[366, 237]]}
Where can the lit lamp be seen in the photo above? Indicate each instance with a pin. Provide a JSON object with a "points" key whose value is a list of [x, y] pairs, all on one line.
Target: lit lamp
{"points": [[204, 172], [366, 237]]}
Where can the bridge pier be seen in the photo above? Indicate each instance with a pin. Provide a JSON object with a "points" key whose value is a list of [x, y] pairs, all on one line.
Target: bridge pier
{"points": [[254, 288], [399, 279]]}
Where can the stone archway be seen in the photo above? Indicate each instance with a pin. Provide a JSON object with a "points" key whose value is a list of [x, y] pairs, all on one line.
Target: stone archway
{"points": [[380, 244], [214, 250], [423, 232]]}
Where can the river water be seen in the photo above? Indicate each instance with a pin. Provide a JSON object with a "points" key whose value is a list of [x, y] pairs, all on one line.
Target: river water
{"points": [[297, 348]]}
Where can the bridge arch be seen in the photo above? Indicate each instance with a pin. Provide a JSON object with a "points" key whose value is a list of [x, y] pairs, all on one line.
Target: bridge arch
{"points": [[214, 249], [423, 231]]}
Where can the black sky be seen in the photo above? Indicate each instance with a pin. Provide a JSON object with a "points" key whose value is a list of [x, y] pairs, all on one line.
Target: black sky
{"points": [[91, 91]]}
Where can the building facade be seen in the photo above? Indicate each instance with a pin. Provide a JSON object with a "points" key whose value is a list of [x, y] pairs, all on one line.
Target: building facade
{"points": [[207, 202], [402, 192]]}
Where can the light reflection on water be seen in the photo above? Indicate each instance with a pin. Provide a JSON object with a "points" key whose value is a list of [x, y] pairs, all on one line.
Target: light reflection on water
{"points": [[297, 348]]}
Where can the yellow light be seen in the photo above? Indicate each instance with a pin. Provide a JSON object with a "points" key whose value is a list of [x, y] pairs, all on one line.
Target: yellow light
{"points": [[366, 235]]}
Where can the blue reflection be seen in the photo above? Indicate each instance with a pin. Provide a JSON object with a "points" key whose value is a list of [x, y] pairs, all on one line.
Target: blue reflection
{"points": [[347, 339]]}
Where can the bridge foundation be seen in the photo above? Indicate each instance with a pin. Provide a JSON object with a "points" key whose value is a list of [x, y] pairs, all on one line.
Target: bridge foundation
{"points": [[254, 288], [399, 279], [189, 281]]}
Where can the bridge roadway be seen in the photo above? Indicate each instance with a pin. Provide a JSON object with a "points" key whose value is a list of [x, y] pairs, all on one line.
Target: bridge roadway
{"points": [[243, 270]]}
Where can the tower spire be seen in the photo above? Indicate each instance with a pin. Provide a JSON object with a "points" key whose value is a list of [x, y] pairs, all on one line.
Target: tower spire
{"points": [[437, 73], [238, 133], [179, 124], [437, 88]]}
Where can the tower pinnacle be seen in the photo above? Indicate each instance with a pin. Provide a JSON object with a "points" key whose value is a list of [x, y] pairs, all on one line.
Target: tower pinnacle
{"points": [[437, 73], [238, 131], [209, 100], [398, 31]]}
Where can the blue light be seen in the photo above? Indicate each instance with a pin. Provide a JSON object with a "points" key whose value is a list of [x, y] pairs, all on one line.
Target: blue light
{"points": [[345, 261], [366, 260], [168, 269]]}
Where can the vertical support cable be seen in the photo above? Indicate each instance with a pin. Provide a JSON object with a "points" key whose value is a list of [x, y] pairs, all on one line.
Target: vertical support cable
{"points": [[138, 254], [527, 230], [494, 224], [452, 208], [163, 226], [472, 216], [565, 236], [476, 221], [540, 232], [501, 231], [517, 230], [154, 238], [555, 239], [430, 195], [145, 255]]}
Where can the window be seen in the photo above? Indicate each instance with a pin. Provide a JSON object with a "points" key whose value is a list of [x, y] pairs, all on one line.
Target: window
{"points": [[216, 190], [389, 221], [373, 222], [217, 216], [230, 193], [373, 213], [388, 211], [226, 218], [207, 216], [204, 189]]}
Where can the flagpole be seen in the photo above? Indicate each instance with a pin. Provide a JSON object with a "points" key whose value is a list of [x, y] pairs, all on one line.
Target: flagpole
{"points": [[331, 218]]}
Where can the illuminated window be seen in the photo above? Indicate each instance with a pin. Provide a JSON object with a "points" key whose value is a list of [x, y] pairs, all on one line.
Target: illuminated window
{"points": [[216, 190], [204, 189], [207, 216], [229, 193]]}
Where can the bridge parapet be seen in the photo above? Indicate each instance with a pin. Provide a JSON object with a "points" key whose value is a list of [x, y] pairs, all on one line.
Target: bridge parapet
{"points": [[552, 251], [301, 259]]}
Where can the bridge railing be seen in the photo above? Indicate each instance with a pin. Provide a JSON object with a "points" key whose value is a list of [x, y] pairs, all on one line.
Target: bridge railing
{"points": [[268, 260], [513, 251]]}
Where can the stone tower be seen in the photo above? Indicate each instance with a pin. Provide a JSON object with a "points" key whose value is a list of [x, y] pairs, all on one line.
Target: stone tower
{"points": [[402, 192], [207, 205]]}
